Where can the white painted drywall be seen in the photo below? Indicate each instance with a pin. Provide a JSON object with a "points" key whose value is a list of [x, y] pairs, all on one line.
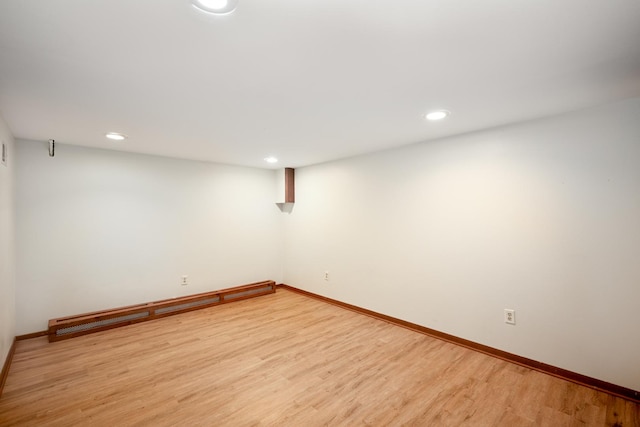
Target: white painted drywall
{"points": [[542, 217], [99, 229], [7, 246]]}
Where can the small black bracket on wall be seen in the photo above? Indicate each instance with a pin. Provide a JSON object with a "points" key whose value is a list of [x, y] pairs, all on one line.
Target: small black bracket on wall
{"points": [[4, 154], [52, 148]]}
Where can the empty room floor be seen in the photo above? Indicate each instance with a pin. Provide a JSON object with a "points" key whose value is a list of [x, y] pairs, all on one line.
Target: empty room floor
{"points": [[285, 359]]}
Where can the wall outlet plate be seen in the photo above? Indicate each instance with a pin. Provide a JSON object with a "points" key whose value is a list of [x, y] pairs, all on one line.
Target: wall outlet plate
{"points": [[509, 316]]}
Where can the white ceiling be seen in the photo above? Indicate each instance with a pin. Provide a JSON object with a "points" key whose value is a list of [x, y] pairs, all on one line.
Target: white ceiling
{"points": [[305, 80]]}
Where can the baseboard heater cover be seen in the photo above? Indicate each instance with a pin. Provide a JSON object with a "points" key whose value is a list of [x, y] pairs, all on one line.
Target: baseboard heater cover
{"points": [[82, 324]]}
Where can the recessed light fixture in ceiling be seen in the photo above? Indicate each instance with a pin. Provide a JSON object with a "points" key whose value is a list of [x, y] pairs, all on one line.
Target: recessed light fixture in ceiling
{"points": [[215, 7], [116, 136], [271, 159], [437, 115]]}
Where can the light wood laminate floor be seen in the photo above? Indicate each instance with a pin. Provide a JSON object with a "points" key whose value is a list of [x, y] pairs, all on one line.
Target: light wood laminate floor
{"points": [[287, 360]]}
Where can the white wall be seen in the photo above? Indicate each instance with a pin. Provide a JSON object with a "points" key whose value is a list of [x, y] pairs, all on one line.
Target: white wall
{"points": [[7, 247], [541, 217], [100, 229]]}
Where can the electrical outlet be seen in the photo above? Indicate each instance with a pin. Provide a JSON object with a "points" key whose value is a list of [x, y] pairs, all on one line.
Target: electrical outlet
{"points": [[184, 280], [326, 276], [509, 316]]}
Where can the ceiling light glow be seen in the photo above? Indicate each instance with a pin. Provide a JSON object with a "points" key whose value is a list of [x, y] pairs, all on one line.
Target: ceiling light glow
{"points": [[215, 7], [116, 136], [214, 4], [271, 159], [437, 115]]}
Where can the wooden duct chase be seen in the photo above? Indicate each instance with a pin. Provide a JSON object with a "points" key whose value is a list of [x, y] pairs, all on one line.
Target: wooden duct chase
{"points": [[87, 323]]}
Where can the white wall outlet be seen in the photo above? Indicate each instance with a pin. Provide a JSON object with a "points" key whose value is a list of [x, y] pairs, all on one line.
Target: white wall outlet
{"points": [[184, 280], [326, 276], [509, 316]]}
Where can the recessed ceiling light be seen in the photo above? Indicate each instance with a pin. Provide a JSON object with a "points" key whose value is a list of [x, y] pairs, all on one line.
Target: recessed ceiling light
{"points": [[116, 136], [437, 115], [215, 7], [271, 159]]}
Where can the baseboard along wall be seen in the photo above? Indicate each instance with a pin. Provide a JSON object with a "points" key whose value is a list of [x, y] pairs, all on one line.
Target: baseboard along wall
{"points": [[87, 323], [108, 319], [616, 390], [7, 365]]}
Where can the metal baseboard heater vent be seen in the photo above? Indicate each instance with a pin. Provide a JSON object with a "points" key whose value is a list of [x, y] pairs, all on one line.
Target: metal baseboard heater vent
{"points": [[82, 324]]}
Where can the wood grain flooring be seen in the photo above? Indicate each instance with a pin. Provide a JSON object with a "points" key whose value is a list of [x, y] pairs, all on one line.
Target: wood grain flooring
{"points": [[285, 360]]}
